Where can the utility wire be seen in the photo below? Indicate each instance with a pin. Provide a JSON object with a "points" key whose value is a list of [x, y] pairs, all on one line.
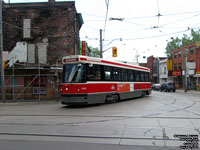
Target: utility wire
{"points": [[163, 15], [158, 13], [180, 20], [156, 36], [107, 7]]}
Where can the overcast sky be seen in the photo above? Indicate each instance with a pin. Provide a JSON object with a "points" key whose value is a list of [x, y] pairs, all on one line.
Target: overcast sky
{"points": [[145, 25]]}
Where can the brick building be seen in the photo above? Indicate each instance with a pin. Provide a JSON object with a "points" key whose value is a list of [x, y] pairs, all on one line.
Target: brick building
{"points": [[193, 61], [153, 65], [197, 75], [37, 36]]}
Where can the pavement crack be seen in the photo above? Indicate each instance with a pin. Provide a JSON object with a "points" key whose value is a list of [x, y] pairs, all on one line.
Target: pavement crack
{"points": [[149, 130], [122, 132], [159, 123]]}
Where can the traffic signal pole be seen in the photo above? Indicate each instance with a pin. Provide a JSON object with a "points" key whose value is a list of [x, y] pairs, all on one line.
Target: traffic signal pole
{"points": [[1, 50]]}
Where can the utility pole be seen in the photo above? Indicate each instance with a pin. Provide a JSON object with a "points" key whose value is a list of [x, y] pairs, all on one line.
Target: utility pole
{"points": [[158, 70], [185, 65], [101, 45], [2, 62]]}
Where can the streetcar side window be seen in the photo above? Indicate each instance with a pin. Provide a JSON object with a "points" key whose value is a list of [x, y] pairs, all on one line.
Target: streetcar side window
{"points": [[146, 77], [134, 75], [142, 76], [108, 73], [116, 74], [137, 76], [93, 72], [130, 75], [124, 75]]}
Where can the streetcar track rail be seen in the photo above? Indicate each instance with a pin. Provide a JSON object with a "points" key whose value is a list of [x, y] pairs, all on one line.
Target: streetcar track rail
{"points": [[88, 136], [116, 118]]}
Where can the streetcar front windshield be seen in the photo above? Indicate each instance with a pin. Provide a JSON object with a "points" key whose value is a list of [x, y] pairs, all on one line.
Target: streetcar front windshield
{"points": [[73, 73]]}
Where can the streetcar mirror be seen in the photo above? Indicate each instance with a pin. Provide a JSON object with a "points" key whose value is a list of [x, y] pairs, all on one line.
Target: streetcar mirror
{"points": [[90, 65]]}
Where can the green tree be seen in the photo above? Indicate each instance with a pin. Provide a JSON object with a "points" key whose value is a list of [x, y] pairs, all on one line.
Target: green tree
{"points": [[94, 52], [195, 35], [171, 45], [185, 40], [175, 43]]}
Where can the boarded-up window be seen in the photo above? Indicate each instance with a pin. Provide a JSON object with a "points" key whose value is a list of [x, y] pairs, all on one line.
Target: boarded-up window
{"points": [[31, 53], [27, 28], [42, 52]]}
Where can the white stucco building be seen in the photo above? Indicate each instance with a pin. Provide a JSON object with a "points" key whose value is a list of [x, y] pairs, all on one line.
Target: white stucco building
{"points": [[163, 72]]}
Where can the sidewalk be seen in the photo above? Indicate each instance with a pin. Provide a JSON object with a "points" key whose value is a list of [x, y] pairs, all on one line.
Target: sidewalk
{"points": [[188, 91]]}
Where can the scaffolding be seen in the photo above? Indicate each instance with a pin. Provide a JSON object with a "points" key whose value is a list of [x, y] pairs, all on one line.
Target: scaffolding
{"points": [[32, 83]]}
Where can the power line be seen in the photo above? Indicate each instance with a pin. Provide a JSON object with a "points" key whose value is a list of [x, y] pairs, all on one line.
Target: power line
{"points": [[107, 7], [93, 15], [180, 20], [156, 36], [158, 13], [163, 15]]}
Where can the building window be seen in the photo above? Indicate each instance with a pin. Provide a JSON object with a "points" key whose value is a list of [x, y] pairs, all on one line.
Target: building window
{"points": [[14, 81], [39, 90], [175, 66], [191, 49], [165, 70], [179, 54], [179, 66], [175, 55]]}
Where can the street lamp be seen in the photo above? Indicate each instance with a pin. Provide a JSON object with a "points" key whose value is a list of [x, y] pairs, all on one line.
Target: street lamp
{"points": [[101, 44], [137, 55], [120, 39]]}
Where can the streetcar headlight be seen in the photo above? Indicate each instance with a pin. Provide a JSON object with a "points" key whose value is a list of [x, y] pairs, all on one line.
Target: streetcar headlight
{"points": [[66, 88]]}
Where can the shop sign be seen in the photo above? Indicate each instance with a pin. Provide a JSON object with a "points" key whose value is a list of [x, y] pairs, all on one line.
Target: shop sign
{"points": [[189, 72], [198, 71], [84, 48], [176, 73]]}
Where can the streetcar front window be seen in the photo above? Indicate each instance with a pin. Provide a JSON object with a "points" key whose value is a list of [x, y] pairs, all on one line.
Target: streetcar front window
{"points": [[73, 73]]}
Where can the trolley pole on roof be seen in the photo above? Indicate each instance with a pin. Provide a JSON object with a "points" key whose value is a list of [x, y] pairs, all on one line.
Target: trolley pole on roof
{"points": [[1, 50], [101, 45]]}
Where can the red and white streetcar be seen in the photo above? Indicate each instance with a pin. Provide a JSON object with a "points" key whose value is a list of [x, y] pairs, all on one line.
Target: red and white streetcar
{"points": [[90, 80]]}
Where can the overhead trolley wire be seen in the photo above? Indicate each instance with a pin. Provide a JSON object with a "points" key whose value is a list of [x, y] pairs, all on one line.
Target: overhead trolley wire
{"points": [[156, 36], [107, 7]]}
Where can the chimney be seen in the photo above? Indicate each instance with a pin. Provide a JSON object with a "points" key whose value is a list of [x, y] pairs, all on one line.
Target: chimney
{"points": [[3, 3], [51, 1]]}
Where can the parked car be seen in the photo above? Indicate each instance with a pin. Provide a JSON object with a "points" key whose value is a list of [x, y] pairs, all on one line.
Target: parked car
{"points": [[156, 87], [167, 87]]}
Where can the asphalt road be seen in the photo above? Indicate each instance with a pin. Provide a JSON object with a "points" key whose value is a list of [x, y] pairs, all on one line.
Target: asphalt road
{"points": [[46, 145], [151, 122]]}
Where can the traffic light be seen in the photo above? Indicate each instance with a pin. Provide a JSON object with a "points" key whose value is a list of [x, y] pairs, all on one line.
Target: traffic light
{"points": [[6, 64], [114, 52]]}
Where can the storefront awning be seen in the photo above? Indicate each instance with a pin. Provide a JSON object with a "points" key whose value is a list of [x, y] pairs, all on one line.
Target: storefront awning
{"points": [[196, 75]]}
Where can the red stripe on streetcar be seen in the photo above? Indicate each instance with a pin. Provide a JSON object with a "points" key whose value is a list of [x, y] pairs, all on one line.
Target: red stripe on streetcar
{"points": [[114, 63], [102, 87], [124, 65]]}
